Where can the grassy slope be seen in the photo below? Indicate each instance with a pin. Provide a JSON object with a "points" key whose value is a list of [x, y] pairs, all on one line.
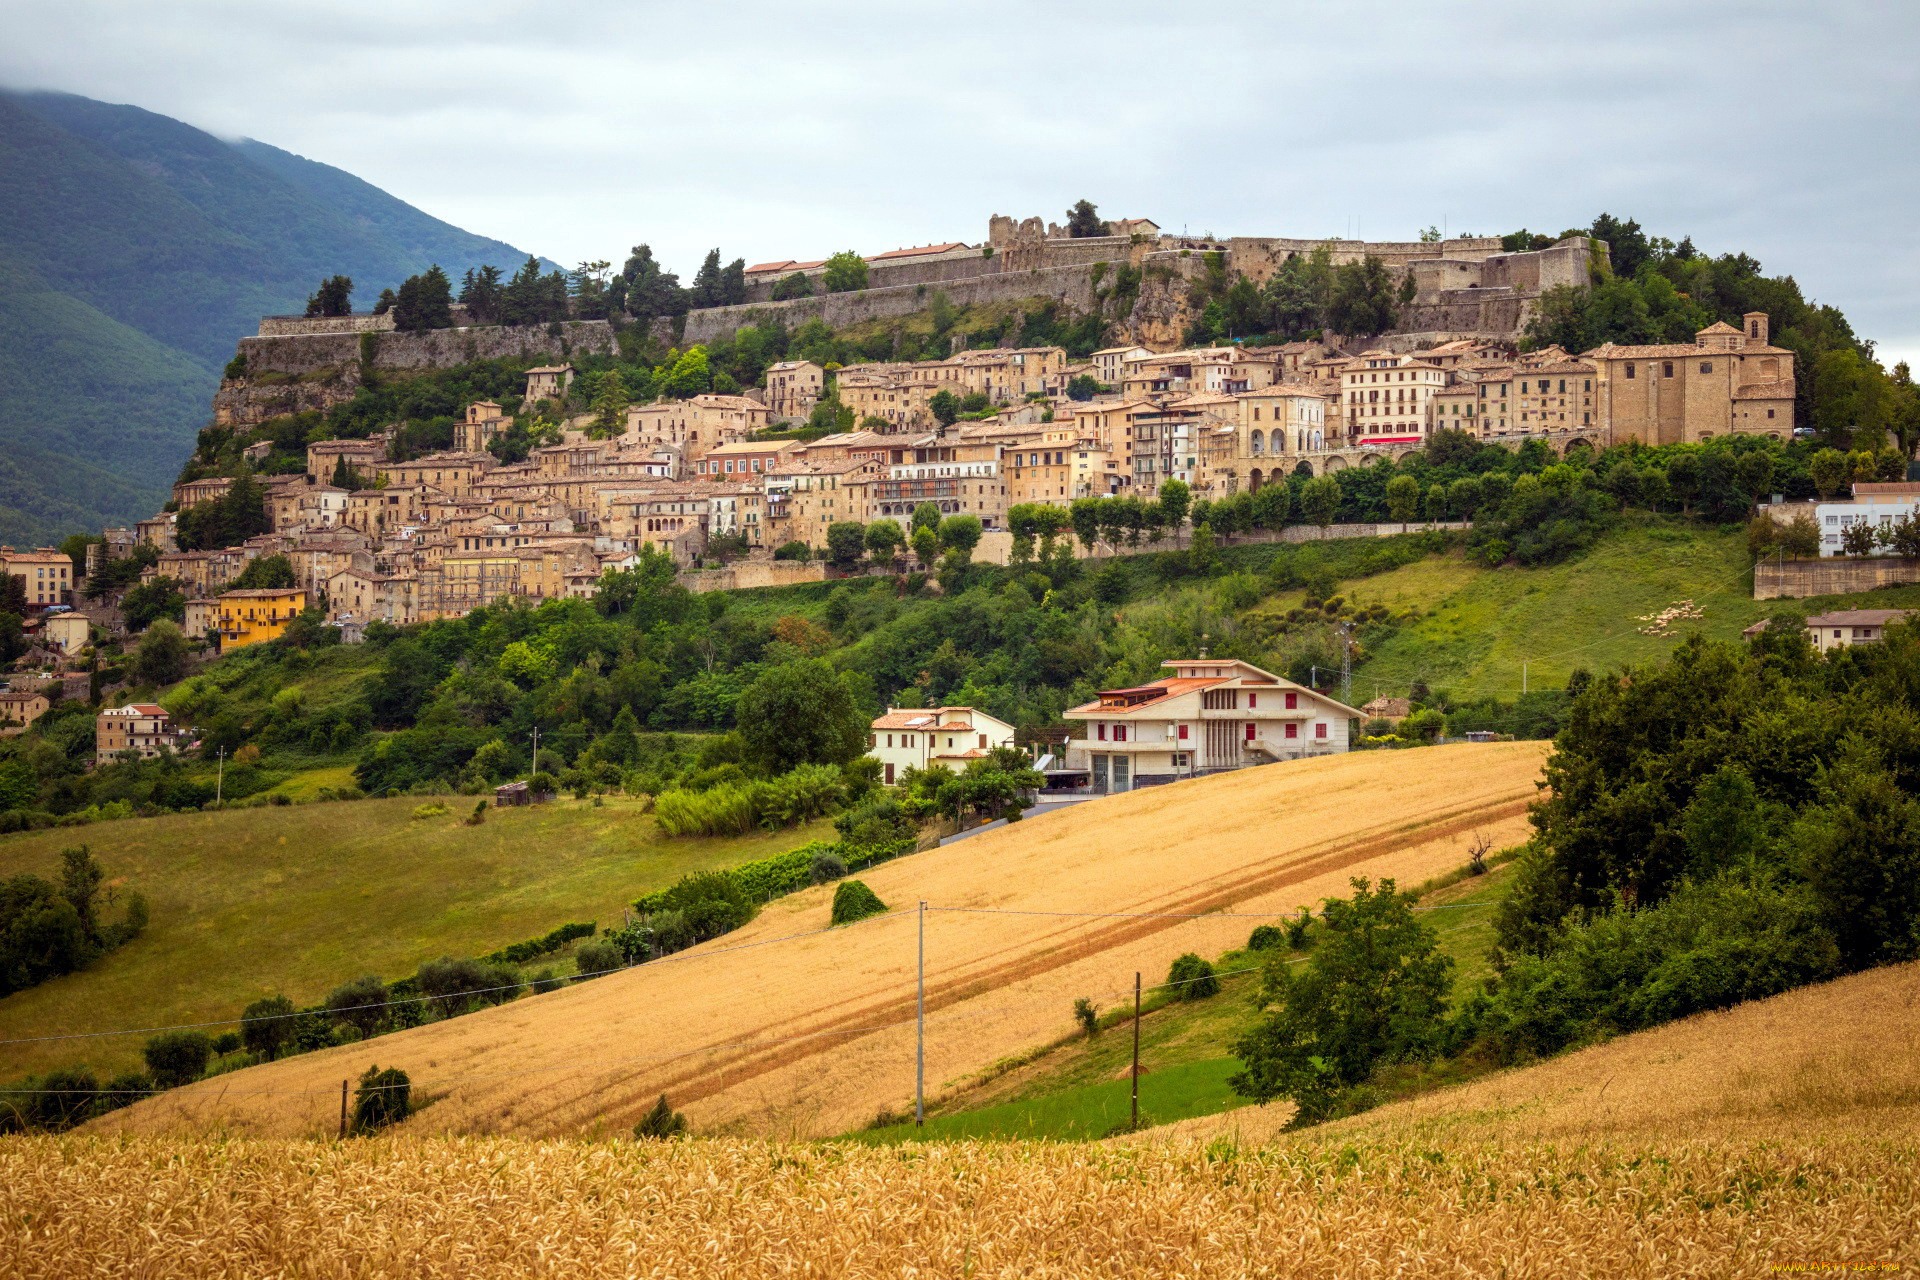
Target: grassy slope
{"points": [[1585, 613], [1483, 623], [296, 900]]}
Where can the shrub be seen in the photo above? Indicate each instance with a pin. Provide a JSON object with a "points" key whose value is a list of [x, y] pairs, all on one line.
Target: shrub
{"points": [[661, 1122], [1087, 1016], [854, 901], [1299, 931], [124, 1090], [1708, 946], [668, 932], [360, 1004], [226, 1042], [454, 986], [826, 866], [474, 819], [1374, 993], [267, 1025], [58, 1100], [597, 958], [720, 811], [1192, 978], [381, 1099], [432, 810], [544, 981], [178, 1057], [711, 903], [1266, 937], [521, 952]]}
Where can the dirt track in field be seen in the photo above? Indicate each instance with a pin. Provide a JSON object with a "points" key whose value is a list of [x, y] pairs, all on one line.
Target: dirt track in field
{"points": [[760, 1032]]}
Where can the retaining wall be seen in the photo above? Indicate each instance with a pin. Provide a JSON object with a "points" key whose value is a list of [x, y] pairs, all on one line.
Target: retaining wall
{"points": [[1796, 579]]}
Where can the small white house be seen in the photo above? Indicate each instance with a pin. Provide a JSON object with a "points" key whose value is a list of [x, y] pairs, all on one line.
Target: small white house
{"points": [[1208, 714], [923, 737]]}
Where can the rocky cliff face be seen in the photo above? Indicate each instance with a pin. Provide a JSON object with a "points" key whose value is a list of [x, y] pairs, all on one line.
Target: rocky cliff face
{"points": [[293, 373]]}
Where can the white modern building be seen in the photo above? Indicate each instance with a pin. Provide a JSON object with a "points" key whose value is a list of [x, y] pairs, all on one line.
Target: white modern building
{"points": [[926, 737], [1878, 505], [1209, 714]]}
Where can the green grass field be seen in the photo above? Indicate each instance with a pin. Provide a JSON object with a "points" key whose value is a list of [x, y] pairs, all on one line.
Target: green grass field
{"points": [[1179, 1092], [1483, 625], [298, 899]]}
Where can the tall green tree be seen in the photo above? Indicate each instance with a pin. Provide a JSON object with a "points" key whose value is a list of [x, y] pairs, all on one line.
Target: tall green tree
{"points": [[334, 297], [1363, 298], [161, 658], [1374, 993], [845, 273], [800, 713], [1083, 220], [425, 301]]}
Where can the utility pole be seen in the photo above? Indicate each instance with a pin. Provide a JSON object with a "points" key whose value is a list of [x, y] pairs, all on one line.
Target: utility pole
{"points": [[1346, 665], [1523, 675], [536, 753], [920, 1030], [219, 775], [1136, 1049], [343, 1108]]}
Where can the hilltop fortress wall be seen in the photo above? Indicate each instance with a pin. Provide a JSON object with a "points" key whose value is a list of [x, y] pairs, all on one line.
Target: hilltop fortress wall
{"points": [[303, 369], [1463, 285]]}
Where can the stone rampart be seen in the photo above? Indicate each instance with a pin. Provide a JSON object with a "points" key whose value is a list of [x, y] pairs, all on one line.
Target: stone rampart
{"points": [[742, 574], [1798, 579], [1072, 285], [308, 353], [880, 275], [287, 326], [1258, 257]]}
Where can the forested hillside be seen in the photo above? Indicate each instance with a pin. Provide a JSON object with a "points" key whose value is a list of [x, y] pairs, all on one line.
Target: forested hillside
{"points": [[134, 249]]}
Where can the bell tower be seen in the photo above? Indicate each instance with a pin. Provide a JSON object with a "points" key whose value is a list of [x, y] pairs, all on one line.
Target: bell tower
{"points": [[1756, 326]]}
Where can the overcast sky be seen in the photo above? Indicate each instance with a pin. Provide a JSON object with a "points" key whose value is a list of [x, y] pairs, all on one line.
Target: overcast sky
{"points": [[576, 129]]}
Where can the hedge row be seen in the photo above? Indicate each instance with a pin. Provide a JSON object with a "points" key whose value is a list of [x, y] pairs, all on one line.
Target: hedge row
{"points": [[765, 879]]}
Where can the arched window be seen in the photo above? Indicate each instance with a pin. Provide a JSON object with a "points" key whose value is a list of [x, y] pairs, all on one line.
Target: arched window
{"points": [[1257, 442]]}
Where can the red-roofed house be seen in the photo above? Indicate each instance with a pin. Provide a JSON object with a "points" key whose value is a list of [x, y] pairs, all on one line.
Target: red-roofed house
{"points": [[929, 737], [1208, 714]]}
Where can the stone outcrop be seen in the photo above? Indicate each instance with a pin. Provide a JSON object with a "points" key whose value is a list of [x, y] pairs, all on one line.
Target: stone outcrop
{"points": [[295, 372]]}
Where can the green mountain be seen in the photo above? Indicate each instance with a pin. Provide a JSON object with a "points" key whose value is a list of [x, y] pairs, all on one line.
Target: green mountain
{"points": [[134, 250]]}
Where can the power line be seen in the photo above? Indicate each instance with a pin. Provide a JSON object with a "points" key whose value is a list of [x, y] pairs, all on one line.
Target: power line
{"points": [[448, 998], [1292, 913], [699, 955]]}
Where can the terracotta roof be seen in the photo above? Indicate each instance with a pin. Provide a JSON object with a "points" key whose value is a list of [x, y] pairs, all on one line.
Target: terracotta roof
{"points": [[768, 266], [1894, 488], [1720, 326], [1171, 687], [1858, 617], [919, 251]]}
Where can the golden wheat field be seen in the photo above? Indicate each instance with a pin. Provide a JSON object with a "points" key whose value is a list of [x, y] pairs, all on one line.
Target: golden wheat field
{"points": [[764, 1033], [1779, 1135]]}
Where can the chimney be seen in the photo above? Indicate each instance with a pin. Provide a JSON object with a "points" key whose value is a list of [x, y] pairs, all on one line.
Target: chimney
{"points": [[1756, 328]]}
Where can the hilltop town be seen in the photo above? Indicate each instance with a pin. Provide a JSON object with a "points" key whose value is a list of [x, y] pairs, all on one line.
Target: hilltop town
{"points": [[745, 487]]}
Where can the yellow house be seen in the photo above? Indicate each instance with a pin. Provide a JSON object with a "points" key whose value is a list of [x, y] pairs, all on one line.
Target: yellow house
{"points": [[249, 617]]}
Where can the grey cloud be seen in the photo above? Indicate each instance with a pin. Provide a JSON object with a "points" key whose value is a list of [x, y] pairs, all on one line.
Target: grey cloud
{"points": [[577, 129]]}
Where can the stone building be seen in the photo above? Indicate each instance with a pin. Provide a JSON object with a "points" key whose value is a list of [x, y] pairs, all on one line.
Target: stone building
{"points": [[1385, 397], [793, 388], [45, 572], [1727, 381], [548, 382]]}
